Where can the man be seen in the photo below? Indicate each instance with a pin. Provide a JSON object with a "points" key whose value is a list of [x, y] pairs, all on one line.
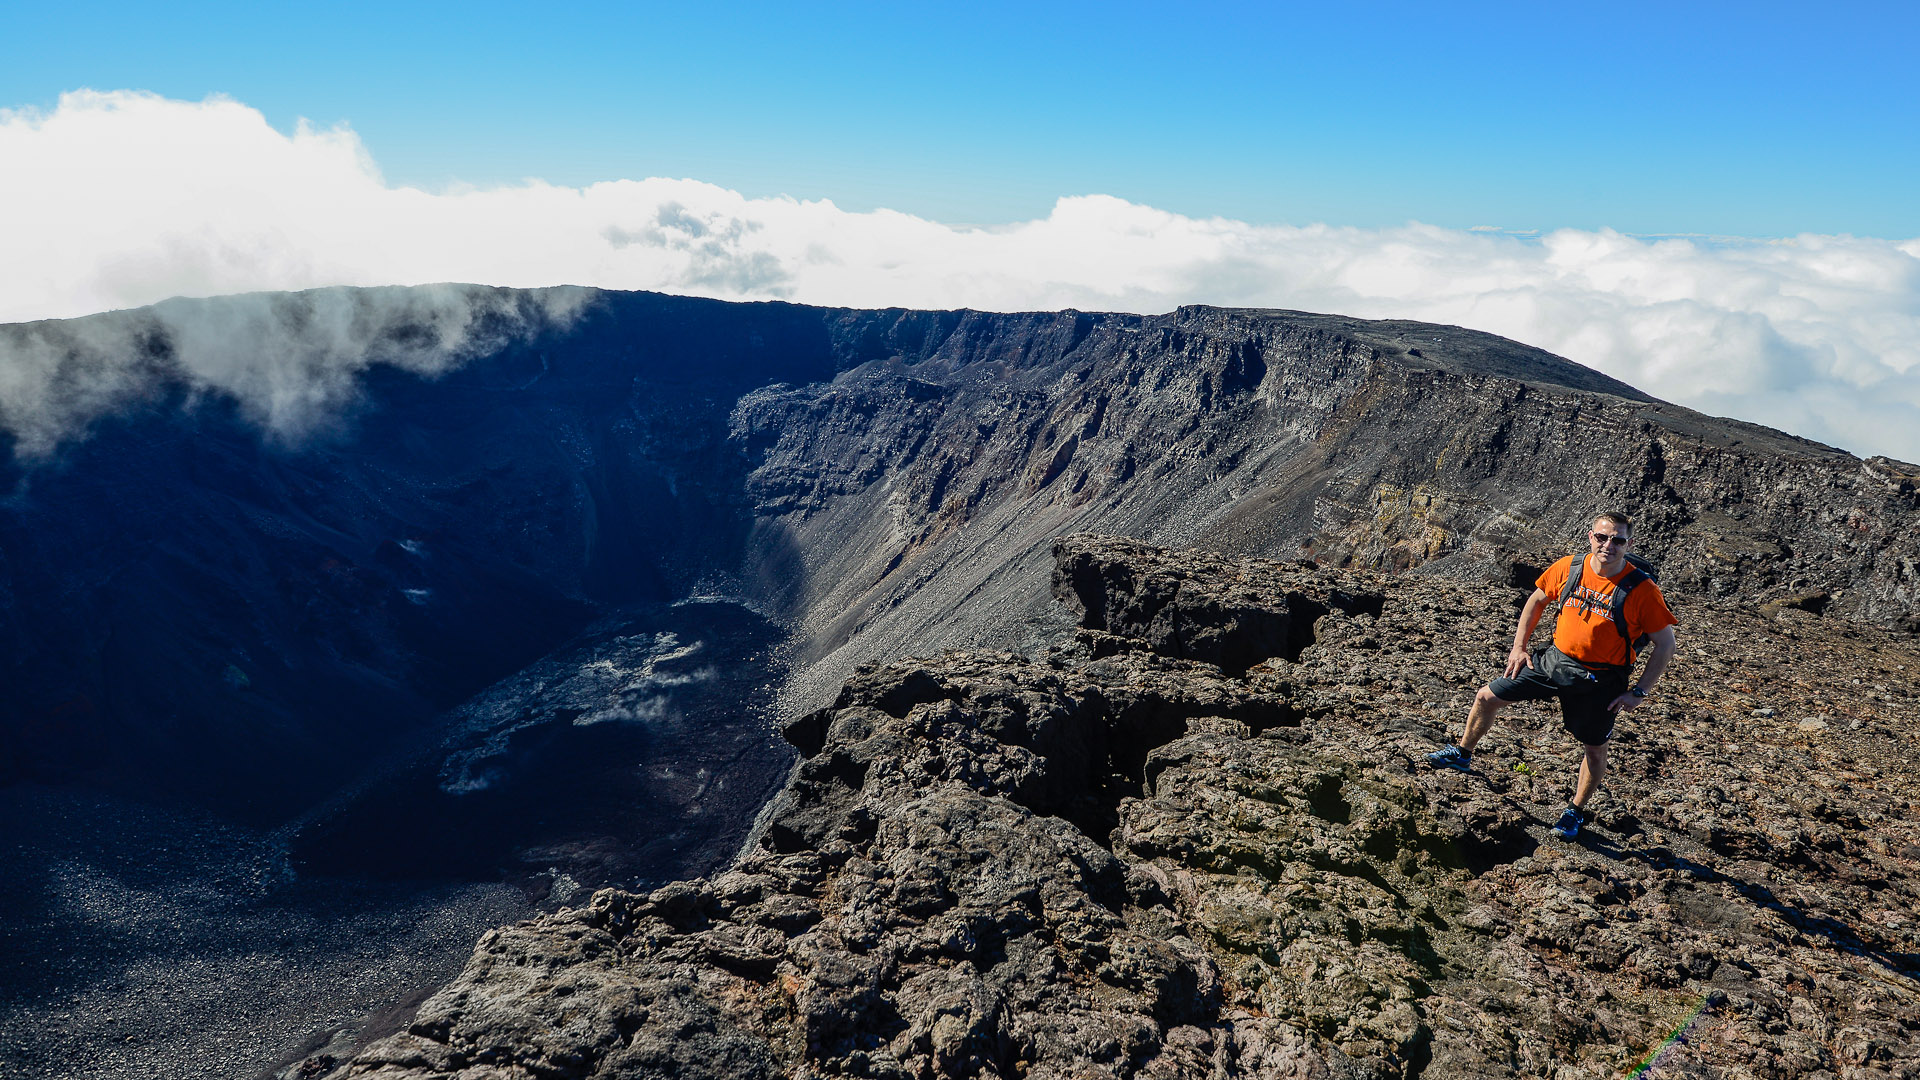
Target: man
{"points": [[1590, 661]]}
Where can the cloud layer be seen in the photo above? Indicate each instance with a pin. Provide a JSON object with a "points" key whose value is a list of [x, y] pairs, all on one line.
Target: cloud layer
{"points": [[290, 360], [123, 199]]}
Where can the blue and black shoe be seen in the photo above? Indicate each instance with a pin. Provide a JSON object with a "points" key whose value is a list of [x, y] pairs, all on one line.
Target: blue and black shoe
{"points": [[1569, 824], [1451, 758]]}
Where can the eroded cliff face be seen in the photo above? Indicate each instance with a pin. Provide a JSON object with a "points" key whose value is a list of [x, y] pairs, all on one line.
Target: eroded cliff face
{"points": [[919, 490], [1119, 858]]}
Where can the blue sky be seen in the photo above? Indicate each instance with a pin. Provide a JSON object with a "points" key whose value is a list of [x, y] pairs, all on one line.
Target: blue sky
{"points": [[1749, 119]]}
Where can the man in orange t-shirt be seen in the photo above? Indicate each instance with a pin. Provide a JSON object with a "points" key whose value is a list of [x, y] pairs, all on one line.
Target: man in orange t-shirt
{"points": [[1589, 663]]}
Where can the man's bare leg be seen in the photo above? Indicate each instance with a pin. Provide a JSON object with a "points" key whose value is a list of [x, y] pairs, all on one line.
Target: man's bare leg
{"points": [[1593, 769], [1480, 718]]}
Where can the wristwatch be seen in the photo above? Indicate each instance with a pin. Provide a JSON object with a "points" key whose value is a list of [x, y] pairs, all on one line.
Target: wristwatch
{"points": [[1637, 692]]}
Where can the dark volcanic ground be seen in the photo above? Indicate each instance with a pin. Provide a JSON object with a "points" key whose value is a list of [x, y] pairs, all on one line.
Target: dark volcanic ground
{"points": [[136, 943], [140, 942], [637, 753]]}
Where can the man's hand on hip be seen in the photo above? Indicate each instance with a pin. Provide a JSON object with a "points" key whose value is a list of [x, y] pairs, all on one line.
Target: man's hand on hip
{"points": [[1518, 661], [1625, 702]]}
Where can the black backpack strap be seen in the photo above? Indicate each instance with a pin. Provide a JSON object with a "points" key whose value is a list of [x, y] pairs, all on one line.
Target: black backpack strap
{"points": [[1617, 610], [1575, 571]]}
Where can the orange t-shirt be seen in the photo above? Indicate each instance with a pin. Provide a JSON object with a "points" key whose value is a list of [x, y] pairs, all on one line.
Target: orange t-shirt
{"points": [[1584, 631]]}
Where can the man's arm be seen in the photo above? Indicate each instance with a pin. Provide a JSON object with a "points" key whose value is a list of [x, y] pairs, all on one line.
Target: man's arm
{"points": [[1660, 651], [1517, 658]]}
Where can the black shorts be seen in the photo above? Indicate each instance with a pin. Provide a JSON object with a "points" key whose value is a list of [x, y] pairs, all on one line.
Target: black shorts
{"points": [[1583, 711]]}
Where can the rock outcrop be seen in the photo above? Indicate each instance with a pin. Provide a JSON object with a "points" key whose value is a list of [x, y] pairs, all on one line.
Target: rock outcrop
{"points": [[1113, 859]]}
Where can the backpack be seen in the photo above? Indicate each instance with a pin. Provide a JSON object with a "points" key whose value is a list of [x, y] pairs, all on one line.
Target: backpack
{"points": [[1639, 570]]}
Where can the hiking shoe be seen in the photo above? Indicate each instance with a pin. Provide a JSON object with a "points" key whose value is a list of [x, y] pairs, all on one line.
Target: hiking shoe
{"points": [[1451, 758], [1568, 826]]}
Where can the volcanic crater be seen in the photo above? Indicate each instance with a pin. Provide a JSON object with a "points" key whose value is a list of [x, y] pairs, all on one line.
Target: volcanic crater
{"points": [[492, 629]]}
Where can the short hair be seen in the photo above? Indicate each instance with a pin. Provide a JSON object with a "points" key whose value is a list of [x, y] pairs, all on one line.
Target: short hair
{"points": [[1620, 520]]}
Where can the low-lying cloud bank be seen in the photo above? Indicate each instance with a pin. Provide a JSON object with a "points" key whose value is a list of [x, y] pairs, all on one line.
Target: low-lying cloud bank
{"points": [[289, 360], [123, 199]]}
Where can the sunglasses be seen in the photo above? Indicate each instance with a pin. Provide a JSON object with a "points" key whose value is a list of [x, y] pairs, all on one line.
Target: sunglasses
{"points": [[1609, 538]]}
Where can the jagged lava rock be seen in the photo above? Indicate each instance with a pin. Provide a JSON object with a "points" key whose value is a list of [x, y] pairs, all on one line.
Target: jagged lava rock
{"points": [[1205, 610], [1106, 861]]}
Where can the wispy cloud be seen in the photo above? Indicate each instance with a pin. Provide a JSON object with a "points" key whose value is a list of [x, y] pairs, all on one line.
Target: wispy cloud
{"points": [[290, 360], [117, 200]]}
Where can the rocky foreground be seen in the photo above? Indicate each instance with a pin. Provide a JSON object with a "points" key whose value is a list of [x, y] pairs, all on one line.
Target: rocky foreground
{"points": [[1199, 839]]}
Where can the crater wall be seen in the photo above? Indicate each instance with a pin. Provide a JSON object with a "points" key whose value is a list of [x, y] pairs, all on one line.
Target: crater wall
{"points": [[193, 607]]}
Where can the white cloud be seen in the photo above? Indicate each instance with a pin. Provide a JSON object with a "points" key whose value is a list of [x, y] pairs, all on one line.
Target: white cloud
{"points": [[289, 359], [122, 199]]}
